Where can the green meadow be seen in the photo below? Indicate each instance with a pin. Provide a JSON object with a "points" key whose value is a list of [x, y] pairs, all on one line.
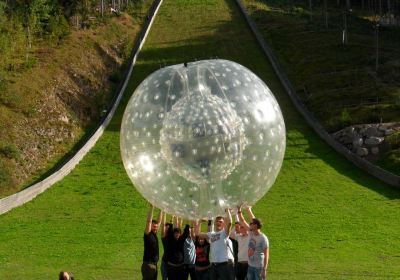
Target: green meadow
{"points": [[325, 218]]}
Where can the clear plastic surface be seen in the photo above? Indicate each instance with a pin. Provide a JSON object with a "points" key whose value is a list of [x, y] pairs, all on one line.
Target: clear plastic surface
{"points": [[202, 137]]}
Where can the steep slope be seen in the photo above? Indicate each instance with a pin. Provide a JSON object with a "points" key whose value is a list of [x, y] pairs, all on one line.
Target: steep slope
{"points": [[325, 218], [45, 110]]}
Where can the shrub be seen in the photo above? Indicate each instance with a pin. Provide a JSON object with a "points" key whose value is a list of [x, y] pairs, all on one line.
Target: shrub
{"points": [[8, 150], [4, 175], [345, 118], [394, 140]]}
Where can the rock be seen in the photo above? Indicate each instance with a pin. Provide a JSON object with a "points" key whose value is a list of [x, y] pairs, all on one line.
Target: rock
{"points": [[382, 128], [373, 141], [388, 132], [347, 139], [64, 119], [358, 142], [374, 150], [371, 132], [349, 130], [362, 152]]}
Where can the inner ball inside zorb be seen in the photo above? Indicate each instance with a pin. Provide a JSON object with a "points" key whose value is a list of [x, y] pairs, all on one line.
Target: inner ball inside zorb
{"points": [[202, 137]]}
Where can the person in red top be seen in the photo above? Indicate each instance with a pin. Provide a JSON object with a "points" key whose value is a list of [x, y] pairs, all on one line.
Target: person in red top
{"points": [[202, 265]]}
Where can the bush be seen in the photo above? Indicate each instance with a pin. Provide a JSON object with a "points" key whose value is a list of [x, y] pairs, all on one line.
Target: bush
{"points": [[8, 150], [58, 28], [394, 140], [345, 118], [4, 175]]}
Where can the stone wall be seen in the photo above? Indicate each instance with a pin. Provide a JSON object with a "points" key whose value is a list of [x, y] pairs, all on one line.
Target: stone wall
{"points": [[366, 140]]}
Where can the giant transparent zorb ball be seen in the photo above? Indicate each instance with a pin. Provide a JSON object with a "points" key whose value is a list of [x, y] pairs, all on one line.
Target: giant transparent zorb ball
{"points": [[202, 137]]}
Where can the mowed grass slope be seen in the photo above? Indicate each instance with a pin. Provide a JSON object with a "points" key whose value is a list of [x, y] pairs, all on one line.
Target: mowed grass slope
{"points": [[325, 218]]}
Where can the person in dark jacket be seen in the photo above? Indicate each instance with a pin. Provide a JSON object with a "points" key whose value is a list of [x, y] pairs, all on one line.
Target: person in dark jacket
{"points": [[150, 254], [164, 229], [174, 252]]}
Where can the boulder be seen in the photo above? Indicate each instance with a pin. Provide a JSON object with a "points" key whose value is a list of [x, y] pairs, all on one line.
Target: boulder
{"points": [[358, 142], [374, 150], [389, 131], [362, 152], [349, 130], [371, 132], [346, 139], [373, 141], [382, 128]]}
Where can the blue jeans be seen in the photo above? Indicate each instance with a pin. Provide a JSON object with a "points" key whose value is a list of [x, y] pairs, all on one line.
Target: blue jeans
{"points": [[254, 273]]}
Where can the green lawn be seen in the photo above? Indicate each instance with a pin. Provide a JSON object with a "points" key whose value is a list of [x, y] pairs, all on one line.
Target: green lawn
{"points": [[325, 218], [329, 77]]}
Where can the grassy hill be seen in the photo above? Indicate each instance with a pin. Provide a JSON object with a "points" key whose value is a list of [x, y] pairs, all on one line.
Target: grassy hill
{"points": [[48, 105], [325, 218], [341, 84]]}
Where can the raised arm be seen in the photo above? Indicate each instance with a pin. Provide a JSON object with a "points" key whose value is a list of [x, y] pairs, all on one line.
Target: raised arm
{"points": [[199, 234], [179, 222], [186, 232], [163, 224], [160, 217], [169, 234], [174, 221], [249, 212], [209, 226], [197, 227], [193, 230], [241, 218], [228, 222], [147, 229]]}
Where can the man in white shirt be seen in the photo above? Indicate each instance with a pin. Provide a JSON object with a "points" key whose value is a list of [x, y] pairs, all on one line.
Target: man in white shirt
{"points": [[258, 248], [241, 235], [221, 252]]}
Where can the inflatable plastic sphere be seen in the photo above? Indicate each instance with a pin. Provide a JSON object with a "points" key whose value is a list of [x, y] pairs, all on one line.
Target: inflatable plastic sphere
{"points": [[202, 137]]}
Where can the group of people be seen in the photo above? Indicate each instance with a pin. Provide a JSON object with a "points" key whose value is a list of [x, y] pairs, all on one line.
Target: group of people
{"points": [[218, 254]]}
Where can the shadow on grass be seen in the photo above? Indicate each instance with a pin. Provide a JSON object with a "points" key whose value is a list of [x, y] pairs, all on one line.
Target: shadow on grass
{"points": [[322, 151]]}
